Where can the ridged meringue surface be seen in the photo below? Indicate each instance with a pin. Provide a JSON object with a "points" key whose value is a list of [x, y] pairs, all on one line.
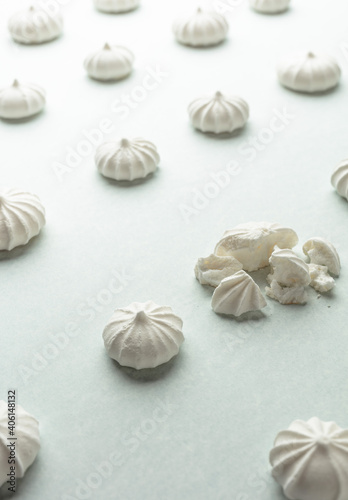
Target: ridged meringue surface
{"points": [[288, 269], [115, 6], [270, 6], [21, 218], [321, 281], [112, 62], [143, 335], [127, 160], [309, 72], [21, 100], [213, 269], [35, 25], [322, 252], [310, 460], [27, 444], [339, 179], [237, 294], [219, 113], [204, 28], [252, 243]]}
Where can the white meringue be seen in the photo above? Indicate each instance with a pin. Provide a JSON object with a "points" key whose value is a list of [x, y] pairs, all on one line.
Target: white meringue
{"points": [[287, 295], [21, 218], [270, 6], [35, 25], [322, 252], [115, 6], [143, 335], [321, 281], [203, 29], [309, 72], [21, 100], [213, 269], [27, 443], [288, 269], [127, 160], [310, 460], [237, 294], [339, 179], [218, 114], [252, 243], [112, 62]]}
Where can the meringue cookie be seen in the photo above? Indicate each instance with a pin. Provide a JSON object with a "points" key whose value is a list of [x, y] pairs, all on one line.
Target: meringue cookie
{"points": [[237, 294], [310, 460], [27, 441], [252, 243], [112, 62], [270, 6], [21, 218], [322, 252], [287, 295], [309, 72], [339, 179], [35, 25], [143, 335], [204, 28], [218, 114], [321, 281], [213, 269], [115, 6], [288, 269], [21, 100], [127, 160]]}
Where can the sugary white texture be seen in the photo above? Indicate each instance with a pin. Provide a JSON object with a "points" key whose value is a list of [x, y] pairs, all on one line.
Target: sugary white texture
{"points": [[252, 243], [204, 28], [219, 113], [213, 269], [21, 218], [143, 335], [322, 252], [237, 294], [287, 294], [112, 62], [35, 25], [115, 6], [270, 6], [308, 72], [21, 100], [320, 278], [127, 160], [27, 442], [339, 179], [288, 269], [310, 460]]}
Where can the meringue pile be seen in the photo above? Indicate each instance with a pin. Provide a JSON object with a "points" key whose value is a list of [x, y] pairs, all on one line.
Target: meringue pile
{"points": [[255, 245]]}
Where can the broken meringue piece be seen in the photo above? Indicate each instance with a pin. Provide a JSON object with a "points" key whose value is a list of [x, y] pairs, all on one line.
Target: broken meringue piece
{"points": [[112, 62], [339, 179], [237, 294], [288, 269], [21, 100], [270, 6], [204, 28], [143, 335], [252, 243], [287, 294], [213, 269], [321, 281], [35, 25], [116, 6], [322, 252], [310, 460]]}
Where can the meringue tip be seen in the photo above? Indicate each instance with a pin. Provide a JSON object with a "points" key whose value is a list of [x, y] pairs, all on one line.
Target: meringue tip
{"points": [[311, 55], [15, 83], [218, 94], [140, 316], [107, 46], [125, 143]]}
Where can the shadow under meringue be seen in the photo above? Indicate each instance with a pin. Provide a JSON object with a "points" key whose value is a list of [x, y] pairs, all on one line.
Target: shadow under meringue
{"points": [[313, 95], [148, 374], [272, 14], [248, 316], [123, 13], [22, 250], [203, 47], [110, 81], [18, 121], [224, 135], [128, 184], [37, 44]]}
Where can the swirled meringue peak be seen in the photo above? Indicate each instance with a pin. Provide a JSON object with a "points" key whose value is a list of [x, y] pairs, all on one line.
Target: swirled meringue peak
{"points": [[219, 113], [309, 72], [27, 441], [21, 100], [143, 335], [127, 160], [112, 62], [21, 218], [310, 460], [339, 179], [202, 29], [116, 6], [270, 6], [35, 25]]}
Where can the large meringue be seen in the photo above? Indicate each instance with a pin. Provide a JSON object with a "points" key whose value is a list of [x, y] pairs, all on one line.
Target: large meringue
{"points": [[310, 460], [35, 25], [213, 269], [270, 6], [21, 100], [115, 6], [252, 243], [126, 160], [27, 443], [237, 294], [21, 218], [309, 72], [204, 28], [143, 335], [218, 114], [339, 179], [322, 252], [112, 62]]}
